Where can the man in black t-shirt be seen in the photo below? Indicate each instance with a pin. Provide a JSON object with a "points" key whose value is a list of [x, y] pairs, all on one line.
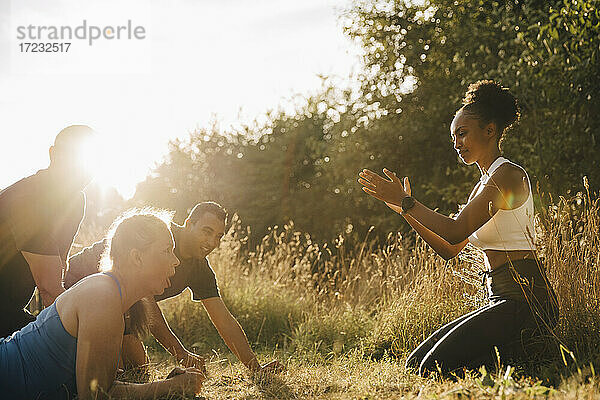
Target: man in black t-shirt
{"points": [[39, 218], [200, 235]]}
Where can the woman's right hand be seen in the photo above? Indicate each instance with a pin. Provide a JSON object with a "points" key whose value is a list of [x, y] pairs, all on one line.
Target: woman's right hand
{"points": [[189, 359], [186, 380]]}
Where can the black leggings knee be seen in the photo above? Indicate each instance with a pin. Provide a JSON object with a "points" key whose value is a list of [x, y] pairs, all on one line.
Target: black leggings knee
{"points": [[471, 340]]}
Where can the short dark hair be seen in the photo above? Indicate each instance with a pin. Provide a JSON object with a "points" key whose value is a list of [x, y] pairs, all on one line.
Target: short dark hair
{"points": [[490, 102], [206, 206]]}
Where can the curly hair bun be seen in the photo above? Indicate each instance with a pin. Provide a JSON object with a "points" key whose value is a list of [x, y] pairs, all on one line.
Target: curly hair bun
{"points": [[492, 103]]}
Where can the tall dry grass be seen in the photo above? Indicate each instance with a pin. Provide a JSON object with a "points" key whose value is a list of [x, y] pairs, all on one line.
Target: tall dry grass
{"points": [[570, 243], [376, 299], [320, 300]]}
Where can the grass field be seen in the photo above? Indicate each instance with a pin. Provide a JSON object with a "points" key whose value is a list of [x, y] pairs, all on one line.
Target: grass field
{"points": [[343, 317], [351, 377]]}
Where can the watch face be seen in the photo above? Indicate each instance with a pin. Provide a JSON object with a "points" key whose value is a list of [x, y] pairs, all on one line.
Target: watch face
{"points": [[407, 203]]}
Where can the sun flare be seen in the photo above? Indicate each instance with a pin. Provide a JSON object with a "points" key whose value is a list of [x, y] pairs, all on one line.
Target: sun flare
{"points": [[113, 167]]}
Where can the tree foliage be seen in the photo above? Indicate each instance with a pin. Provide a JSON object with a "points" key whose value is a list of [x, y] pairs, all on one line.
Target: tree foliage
{"points": [[419, 57]]}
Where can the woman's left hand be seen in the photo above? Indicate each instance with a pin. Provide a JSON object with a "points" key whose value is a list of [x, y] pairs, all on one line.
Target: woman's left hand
{"points": [[408, 191], [389, 190]]}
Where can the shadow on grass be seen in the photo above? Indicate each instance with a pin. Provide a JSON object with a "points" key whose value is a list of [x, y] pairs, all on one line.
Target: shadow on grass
{"points": [[134, 375], [273, 387]]}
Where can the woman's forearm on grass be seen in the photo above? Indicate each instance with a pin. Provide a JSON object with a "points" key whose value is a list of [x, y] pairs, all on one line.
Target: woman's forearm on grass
{"points": [[151, 390]]}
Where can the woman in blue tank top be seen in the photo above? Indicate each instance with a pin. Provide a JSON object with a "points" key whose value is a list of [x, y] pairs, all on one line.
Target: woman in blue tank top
{"points": [[499, 219], [72, 348]]}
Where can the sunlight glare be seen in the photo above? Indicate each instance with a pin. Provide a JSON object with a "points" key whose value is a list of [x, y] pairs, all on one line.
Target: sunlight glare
{"points": [[119, 168], [88, 156]]}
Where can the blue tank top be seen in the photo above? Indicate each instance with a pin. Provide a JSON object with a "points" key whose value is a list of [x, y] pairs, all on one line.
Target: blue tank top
{"points": [[38, 362]]}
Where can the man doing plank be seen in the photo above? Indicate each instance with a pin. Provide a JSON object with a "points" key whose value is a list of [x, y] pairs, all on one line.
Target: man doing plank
{"points": [[200, 234]]}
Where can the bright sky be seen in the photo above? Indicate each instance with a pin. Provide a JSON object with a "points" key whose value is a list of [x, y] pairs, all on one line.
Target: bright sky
{"points": [[231, 58]]}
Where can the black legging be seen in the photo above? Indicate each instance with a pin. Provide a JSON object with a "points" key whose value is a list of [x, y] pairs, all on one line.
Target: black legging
{"points": [[506, 324]]}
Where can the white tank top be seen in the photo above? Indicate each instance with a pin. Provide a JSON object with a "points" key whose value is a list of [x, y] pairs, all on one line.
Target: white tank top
{"points": [[507, 229]]}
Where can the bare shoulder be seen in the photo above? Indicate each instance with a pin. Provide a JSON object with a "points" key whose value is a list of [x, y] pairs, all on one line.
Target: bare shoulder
{"points": [[512, 181], [100, 293], [510, 176], [95, 300]]}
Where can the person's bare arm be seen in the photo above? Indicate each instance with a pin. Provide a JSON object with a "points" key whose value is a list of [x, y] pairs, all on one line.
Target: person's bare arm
{"points": [[455, 231], [439, 245], [47, 274], [185, 383], [231, 332], [99, 336], [235, 337], [162, 332]]}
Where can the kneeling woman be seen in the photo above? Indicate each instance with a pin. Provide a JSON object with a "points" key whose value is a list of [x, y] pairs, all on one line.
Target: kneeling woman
{"points": [[499, 219], [72, 348]]}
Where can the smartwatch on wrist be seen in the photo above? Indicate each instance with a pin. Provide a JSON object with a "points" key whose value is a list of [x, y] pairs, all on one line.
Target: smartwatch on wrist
{"points": [[407, 203]]}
